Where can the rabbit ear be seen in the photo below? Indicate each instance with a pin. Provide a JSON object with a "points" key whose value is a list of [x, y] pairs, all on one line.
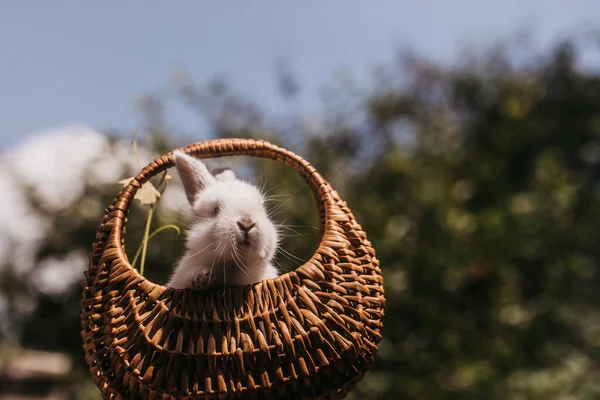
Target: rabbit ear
{"points": [[194, 175], [223, 174]]}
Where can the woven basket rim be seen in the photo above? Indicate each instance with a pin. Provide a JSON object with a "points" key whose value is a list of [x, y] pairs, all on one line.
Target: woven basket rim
{"points": [[212, 149]]}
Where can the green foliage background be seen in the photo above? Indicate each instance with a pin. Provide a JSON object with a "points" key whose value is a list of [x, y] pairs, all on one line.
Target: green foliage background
{"points": [[479, 187]]}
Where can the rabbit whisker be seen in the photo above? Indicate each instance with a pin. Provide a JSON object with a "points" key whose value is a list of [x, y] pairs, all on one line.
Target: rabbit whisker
{"points": [[239, 266], [273, 188], [236, 256], [210, 274], [195, 254], [299, 226], [291, 230], [290, 256]]}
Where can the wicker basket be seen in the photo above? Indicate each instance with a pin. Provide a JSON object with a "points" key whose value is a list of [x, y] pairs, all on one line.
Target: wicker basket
{"points": [[310, 333]]}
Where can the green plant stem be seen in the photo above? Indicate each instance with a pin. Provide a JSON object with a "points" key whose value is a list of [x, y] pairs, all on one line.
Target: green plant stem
{"points": [[157, 231], [147, 236], [145, 240]]}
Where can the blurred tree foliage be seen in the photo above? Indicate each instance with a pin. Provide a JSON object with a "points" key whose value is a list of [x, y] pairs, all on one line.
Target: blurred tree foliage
{"points": [[479, 186]]}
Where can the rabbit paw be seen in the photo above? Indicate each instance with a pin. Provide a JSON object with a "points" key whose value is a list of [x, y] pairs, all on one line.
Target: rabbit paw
{"points": [[201, 280]]}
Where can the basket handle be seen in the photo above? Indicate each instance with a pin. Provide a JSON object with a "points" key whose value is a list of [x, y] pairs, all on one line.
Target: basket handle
{"points": [[322, 192]]}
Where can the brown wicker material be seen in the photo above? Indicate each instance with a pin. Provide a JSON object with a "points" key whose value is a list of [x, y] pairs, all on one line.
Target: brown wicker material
{"points": [[310, 333]]}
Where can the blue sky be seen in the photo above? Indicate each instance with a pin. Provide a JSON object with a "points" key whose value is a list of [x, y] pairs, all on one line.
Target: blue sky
{"points": [[67, 62]]}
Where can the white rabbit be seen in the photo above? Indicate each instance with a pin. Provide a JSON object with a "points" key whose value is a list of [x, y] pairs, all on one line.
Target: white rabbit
{"points": [[232, 241]]}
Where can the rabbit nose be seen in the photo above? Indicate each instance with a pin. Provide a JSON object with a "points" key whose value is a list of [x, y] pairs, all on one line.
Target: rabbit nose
{"points": [[246, 224]]}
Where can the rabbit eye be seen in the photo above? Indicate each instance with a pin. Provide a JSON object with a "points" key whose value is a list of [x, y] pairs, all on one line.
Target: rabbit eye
{"points": [[216, 209]]}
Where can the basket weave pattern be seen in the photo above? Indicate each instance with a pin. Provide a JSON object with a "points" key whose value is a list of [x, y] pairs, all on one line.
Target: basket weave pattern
{"points": [[310, 333]]}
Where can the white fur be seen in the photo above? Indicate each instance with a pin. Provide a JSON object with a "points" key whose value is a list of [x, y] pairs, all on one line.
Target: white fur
{"points": [[216, 255]]}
